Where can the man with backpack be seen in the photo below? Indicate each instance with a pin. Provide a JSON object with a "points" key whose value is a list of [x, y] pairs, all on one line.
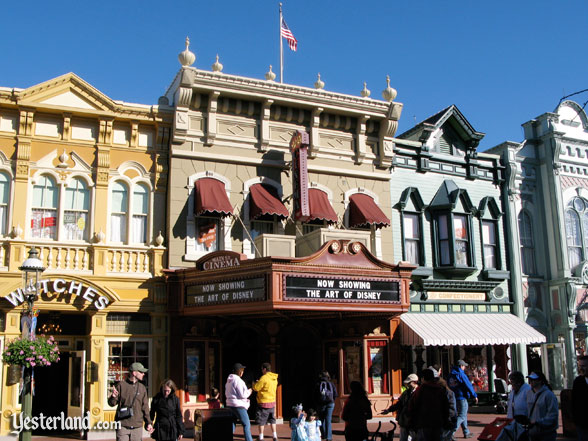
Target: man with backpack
{"points": [[326, 395], [462, 387]]}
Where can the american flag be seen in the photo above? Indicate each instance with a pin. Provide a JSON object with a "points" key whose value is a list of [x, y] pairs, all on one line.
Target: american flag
{"points": [[288, 35]]}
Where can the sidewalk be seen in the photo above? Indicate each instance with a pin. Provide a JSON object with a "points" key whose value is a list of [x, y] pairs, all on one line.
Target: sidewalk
{"points": [[476, 422]]}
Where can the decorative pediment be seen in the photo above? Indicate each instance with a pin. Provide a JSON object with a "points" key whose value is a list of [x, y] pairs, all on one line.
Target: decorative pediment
{"points": [[449, 196], [67, 91]]}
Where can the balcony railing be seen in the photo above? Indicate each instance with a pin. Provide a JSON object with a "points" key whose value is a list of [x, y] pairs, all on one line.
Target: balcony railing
{"points": [[95, 259]]}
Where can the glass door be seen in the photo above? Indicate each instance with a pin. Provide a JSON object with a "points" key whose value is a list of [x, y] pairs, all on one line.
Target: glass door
{"points": [[76, 380]]}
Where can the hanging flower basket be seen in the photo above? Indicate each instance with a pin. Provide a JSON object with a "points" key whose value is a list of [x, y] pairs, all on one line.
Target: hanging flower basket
{"points": [[27, 352]]}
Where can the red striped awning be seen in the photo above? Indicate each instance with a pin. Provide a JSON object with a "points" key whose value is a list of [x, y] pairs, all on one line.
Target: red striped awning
{"points": [[265, 201], [211, 197], [319, 206], [363, 212]]}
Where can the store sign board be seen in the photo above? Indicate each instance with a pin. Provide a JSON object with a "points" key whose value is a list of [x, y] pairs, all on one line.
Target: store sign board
{"points": [[225, 292], [449, 295], [342, 289], [57, 289], [299, 149], [220, 260]]}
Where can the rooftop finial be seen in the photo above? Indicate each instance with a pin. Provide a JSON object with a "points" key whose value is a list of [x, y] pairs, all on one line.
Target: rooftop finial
{"points": [[217, 67], [319, 84], [270, 76], [186, 57], [389, 93], [365, 91]]}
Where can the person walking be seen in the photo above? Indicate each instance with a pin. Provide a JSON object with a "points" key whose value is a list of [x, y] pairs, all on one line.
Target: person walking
{"points": [[237, 395], [428, 409], [326, 395], [266, 388], [411, 383], [451, 423], [462, 387], [580, 399], [543, 409], [130, 397], [517, 397], [165, 408], [356, 413]]}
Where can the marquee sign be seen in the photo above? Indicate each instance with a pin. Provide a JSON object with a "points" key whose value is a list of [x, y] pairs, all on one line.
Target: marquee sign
{"points": [[55, 288], [329, 289], [233, 291], [299, 148]]}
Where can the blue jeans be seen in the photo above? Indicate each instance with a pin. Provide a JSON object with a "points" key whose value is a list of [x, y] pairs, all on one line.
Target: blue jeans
{"points": [[462, 416], [326, 418], [241, 413]]}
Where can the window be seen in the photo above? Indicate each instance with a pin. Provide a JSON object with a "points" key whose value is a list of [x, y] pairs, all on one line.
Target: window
{"points": [[75, 213], [489, 243], [453, 234], [121, 354], [412, 238], [140, 210], [377, 367], [527, 243], [44, 209], [260, 227], [4, 199], [118, 215], [451, 210], [411, 214], [208, 233], [202, 368], [577, 231]]}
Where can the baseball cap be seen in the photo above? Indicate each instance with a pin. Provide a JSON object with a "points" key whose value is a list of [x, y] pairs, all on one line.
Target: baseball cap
{"points": [[137, 367], [411, 377], [533, 376], [461, 363], [237, 367]]}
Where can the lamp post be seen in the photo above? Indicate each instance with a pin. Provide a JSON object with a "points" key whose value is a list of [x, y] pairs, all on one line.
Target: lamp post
{"points": [[31, 269]]}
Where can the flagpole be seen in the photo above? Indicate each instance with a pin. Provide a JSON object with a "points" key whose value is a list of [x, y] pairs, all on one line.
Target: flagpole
{"points": [[281, 48]]}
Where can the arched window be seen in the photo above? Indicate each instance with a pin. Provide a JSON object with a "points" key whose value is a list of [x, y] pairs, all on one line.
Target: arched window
{"points": [[44, 208], [527, 243], [119, 203], [4, 200], [577, 231], [75, 212], [140, 210]]}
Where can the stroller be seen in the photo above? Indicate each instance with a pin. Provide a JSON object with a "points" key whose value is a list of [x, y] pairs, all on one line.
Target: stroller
{"points": [[388, 436], [501, 395]]}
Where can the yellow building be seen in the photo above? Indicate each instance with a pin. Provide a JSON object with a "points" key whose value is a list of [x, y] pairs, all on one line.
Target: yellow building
{"points": [[83, 180]]}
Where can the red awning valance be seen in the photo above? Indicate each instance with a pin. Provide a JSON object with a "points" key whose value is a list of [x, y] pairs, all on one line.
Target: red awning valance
{"points": [[265, 201], [211, 197], [319, 206], [363, 211]]}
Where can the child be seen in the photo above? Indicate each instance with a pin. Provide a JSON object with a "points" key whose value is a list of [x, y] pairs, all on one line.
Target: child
{"points": [[312, 426], [214, 400], [297, 424]]}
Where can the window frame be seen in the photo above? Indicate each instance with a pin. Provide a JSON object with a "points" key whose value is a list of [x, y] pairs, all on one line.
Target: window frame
{"points": [[527, 249], [452, 263], [7, 214], [412, 196], [582, 219], [130, 212]]}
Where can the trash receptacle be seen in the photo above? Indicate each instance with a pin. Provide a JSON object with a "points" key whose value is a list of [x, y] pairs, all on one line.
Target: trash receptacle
{"points": [[217, 425]]}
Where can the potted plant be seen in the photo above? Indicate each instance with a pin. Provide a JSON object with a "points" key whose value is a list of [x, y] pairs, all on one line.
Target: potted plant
{"points": [[36, 352]]}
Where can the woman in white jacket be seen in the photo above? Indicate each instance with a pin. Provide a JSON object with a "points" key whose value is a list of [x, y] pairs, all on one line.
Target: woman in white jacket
{"points": [[237, 395]]}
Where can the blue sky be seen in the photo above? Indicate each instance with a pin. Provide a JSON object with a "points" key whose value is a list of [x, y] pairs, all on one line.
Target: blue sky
{"points": [[501, 62]]}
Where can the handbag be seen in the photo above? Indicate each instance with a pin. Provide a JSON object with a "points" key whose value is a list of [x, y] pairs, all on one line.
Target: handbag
{"points": [[122, 413]]}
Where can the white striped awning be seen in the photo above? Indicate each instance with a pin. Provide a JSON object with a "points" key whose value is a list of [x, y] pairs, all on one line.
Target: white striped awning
{"points": [[439, 329]]}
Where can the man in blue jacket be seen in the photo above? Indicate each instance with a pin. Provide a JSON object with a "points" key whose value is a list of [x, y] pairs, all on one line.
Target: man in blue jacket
{"points": [[462, 387]]}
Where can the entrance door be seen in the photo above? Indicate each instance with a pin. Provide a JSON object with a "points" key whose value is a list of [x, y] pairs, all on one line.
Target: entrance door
{"points": [[76, 379], [554, 364]]}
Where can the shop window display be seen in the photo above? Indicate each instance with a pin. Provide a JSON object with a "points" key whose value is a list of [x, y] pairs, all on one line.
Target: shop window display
{"points": [[477, 371], [121, 354]]}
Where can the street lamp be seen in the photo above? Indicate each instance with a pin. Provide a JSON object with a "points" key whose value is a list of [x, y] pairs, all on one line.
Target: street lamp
{"points": [[31, 269]]}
